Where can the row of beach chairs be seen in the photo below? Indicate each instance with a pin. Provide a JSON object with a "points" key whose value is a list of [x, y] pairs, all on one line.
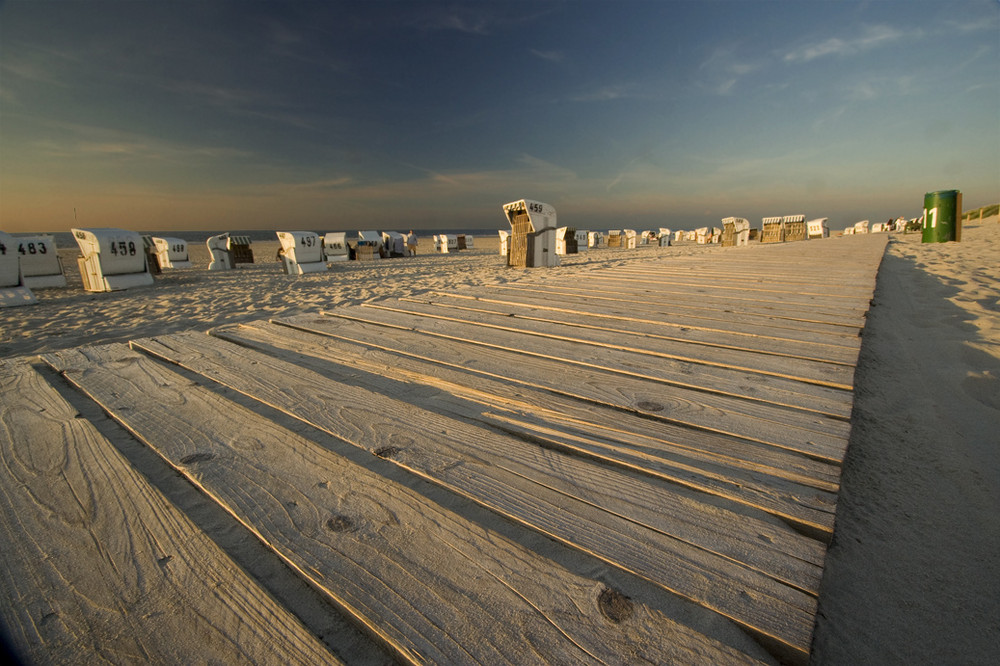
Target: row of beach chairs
{"points": [[116, 259]]}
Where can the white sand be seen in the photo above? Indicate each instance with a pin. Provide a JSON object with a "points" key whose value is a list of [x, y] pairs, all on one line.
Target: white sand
{"points": [[195, 298], [913, 575]]}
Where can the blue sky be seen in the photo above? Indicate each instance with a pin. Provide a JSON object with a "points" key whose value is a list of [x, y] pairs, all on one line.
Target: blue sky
{"points": [[430, 115]]}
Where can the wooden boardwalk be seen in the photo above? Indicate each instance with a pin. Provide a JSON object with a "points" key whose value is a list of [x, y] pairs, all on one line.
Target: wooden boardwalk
{"points": [[617, 465]]}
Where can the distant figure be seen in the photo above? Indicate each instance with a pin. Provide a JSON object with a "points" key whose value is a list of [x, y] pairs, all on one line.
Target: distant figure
{"points": [[411, 243]]}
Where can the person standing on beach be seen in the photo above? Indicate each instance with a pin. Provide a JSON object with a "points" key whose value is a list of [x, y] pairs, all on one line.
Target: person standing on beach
{"points": [[411, 243]]}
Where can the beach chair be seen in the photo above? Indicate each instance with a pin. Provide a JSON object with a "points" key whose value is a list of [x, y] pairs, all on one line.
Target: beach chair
{"points": [[445, 243], [795, 228], [240, 247], [112, 259], [302, 252], [615, 238], [460, 243], [629, 239], [533, 233], [470, 242], [861, 227], [595, 239], [817, 228], [172, 252], [582, 238], [702, 236], [41, 267], [772, 230], [218, 250], [394, 243], [735, 232], [375, 239], [152, 260], [13, 291], [561, 240], [335, 247]]}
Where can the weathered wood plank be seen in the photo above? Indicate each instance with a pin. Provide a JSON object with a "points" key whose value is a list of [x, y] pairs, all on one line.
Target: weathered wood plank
{"points": [[775, 399], [672, 313], [808, 370], [96, 562], [705, 411], [643, 328], [776, 481], [429, 583], [664, 315], [441, 450], [797, 313], [806, 506]]}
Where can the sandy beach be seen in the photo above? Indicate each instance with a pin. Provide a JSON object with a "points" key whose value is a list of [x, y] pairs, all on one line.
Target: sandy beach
{"points": [[913, 571], [195, 298]]}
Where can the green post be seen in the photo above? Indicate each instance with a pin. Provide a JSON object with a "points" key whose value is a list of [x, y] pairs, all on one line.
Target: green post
{"points": [[942, 216]]}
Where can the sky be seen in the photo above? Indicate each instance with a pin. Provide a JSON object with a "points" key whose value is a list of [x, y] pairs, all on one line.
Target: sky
{"points": [[324, 116]]}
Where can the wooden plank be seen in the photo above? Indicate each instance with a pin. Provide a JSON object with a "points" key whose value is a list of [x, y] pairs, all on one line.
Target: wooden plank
{"points": [[824, 408], [658, 441], [458, 456], [637, 326], [431, 584], [792, 313], [808, 504], [789, 430], [805, 506], [807, 370], [97, 565], [664, 314], [830, 300]]}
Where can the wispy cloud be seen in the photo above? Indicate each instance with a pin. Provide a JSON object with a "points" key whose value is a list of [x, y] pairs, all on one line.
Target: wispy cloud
{"points": [[723, 69], [609, 93], [871, 37], [551, 56]]}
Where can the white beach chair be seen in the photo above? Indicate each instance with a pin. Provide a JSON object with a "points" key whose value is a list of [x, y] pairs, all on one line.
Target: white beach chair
{"points": [[218, 250], [172, 252], [533, 233], [595, 239], [561, 240], [13, 292], [817, 228], [113, 259], [735, 232], [302, 252], [394, 243], [335, 247], [702, 235], [470, 241], [374, 239], [861, 227], [629, 239], [41, 267], [582, 238]]}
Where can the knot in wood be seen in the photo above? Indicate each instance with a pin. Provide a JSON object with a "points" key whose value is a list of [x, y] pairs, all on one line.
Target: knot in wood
{"points": [[340, 523], [649, 406], [614, 605], [387, 451]]}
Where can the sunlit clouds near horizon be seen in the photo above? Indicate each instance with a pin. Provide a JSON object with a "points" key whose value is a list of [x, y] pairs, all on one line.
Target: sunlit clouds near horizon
{"points": [[430, 115]]}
